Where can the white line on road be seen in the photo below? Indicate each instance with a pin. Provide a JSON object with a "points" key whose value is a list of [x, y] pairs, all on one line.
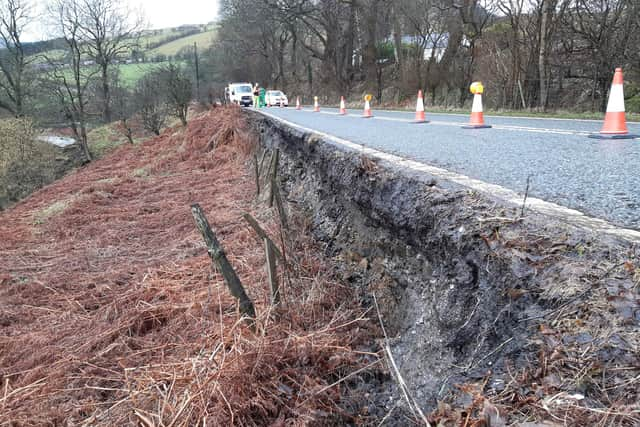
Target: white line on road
{"points": [[459, 124], [558, 119]]}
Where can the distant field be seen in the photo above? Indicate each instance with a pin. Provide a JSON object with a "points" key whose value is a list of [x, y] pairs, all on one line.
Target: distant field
{"points": [[131, 73], [203, 40], [151, 37]]}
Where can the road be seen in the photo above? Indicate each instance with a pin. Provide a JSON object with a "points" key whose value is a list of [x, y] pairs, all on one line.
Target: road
{"points": [[600, 178]]}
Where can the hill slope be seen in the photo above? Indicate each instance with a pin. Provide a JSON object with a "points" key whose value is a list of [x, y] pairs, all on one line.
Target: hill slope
{"points": [[112, 315], [171, 48]]}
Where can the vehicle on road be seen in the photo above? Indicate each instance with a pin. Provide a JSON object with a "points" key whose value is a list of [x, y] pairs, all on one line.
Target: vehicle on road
{"points": [[274, 97], [239, 93]]}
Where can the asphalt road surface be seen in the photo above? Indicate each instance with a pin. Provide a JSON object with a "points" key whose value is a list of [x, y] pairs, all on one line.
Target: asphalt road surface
{"points": [[598, 177]]}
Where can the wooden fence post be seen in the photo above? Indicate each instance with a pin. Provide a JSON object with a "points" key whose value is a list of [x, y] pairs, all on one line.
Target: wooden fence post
{"points": [[274, 176], [261, 233], [219, 258], [272, 273], [257, 171]]}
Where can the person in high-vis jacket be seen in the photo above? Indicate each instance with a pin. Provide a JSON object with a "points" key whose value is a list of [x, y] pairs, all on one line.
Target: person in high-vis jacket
{"points": [[262, 98], [256, 95]]}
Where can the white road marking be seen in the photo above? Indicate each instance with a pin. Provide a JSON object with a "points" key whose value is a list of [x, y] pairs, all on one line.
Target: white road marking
{"points": [[567, 215], [435, 113], [459, 124]]}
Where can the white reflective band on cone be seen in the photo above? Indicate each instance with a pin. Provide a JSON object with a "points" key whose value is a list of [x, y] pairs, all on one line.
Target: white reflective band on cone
{"points": [[616, 99], [477, 104]]}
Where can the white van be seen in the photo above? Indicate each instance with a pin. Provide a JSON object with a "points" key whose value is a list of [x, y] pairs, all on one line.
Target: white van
{"points": [[239, 93]]}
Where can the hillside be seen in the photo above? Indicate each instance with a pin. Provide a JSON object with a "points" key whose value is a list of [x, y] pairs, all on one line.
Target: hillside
{"points": [[155, 46], [203, 40], [112, 314]]}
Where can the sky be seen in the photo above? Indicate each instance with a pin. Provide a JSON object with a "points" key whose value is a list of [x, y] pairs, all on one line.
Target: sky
{"points": [[157, 13], [173, 13]]}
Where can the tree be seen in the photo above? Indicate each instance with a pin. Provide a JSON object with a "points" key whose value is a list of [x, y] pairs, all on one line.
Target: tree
{"points": [[179, 90], [603, 29], [70, 82], [110, 30], [151, 105], [123, 107], [15, 15]]}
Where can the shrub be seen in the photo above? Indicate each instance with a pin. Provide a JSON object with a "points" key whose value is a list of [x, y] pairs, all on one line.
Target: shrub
{"points": [[25, 164]]}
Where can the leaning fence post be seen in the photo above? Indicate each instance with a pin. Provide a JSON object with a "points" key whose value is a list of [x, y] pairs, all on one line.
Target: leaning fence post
{"points": [[272, 272], [274, 177], [219, 259], [261, 233], [257, 173]]}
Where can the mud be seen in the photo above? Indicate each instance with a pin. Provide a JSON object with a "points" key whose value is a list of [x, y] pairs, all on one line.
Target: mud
{"points": [[469, 291]]}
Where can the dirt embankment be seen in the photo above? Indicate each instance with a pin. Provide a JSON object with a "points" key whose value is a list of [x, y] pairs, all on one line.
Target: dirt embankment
{"points": [[110, 313], [484, 309]]}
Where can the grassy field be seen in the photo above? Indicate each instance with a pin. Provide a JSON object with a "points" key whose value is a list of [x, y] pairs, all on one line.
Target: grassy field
{"points": [[203, 40], [131, 73]]}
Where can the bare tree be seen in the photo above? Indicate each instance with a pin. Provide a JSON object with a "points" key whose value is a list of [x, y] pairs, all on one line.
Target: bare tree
{"points": [[110, 30], [15, 15], [151, 105], [123, 107], [70, 81], [179, 90]]}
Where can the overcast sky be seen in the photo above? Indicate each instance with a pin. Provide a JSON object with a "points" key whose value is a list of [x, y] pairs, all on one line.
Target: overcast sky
{"points": [[158, 14]]}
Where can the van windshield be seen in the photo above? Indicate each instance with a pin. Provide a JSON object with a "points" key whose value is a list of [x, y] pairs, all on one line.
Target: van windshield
{"points": [[243, 89]]}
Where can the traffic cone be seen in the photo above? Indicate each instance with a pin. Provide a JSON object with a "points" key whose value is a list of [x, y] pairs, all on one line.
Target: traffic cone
{"points": [[343, 108], [615, 123], [367, 109], [298, 106], [420, 117], [477, 116], [316, 106]]}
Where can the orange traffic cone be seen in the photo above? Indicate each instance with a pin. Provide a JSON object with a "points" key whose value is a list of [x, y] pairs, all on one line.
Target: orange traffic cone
{"points": [[343, 108], [367, 108], [615, 123], [316, 106], [420, 117], [477, 116], [298, 106]]}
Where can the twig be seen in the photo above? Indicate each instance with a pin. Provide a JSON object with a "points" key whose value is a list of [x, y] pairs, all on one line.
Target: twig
{"points": [[38, 383], [341, 380], [526, 195], [395, 405], [413, 406]]}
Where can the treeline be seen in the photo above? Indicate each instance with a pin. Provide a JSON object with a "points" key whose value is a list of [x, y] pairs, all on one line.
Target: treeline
{"points": [[531, 54], [81, 86]]}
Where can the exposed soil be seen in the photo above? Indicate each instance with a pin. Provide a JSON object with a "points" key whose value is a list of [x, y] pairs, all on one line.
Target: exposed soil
{"points": [[486, 311], [111, 313]]}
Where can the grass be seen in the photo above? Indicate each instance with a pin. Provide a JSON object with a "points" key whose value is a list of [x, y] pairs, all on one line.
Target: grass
{"points": [[203, 41], [104, 139], [140, 172], [56, 208], [131, 73]]}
